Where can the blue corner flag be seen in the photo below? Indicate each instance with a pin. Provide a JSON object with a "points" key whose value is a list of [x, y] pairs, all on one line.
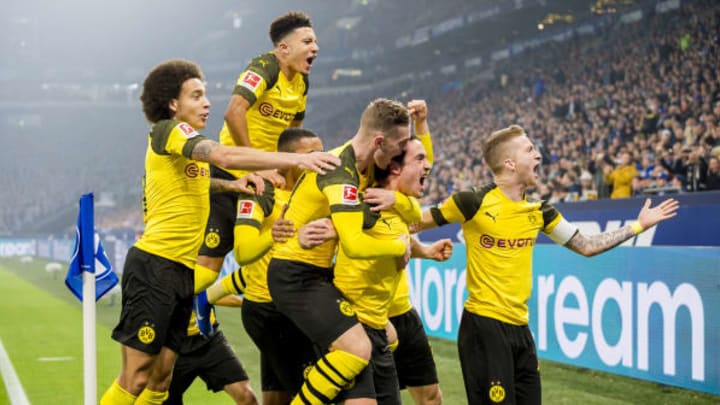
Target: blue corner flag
{"points": [[89, 255]]}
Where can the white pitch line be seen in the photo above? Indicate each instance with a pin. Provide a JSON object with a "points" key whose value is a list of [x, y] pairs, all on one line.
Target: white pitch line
{"points": [[62, 358], [12, 383]]}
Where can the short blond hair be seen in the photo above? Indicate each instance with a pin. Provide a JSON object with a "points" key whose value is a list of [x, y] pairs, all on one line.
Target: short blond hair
{"points": [[495, 149], [384, 115]]}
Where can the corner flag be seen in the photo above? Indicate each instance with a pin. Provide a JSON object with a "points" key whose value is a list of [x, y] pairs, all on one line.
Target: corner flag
{"points": [[82, 280], [89, 255]]}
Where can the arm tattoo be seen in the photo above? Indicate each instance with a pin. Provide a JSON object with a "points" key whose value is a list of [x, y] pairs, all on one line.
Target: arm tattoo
{"points": [[218, 185], [202, 150], [595, 244]]}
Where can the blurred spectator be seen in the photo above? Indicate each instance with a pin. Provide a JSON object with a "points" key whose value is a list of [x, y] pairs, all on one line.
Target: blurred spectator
{"points": [[712, 179], [620, 178]]}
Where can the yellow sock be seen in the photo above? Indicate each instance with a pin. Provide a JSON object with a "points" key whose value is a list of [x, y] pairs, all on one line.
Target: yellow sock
{"points": [[333, 372], [116, 395], [149, 397], [204, 277]]}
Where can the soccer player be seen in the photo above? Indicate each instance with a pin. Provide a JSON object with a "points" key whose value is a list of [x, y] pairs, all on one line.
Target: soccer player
{"points": [[369, 285], [497, 352], [211, 359], [284, 351], [300, 279], [158, 278], [269, 96], [413, 357]]}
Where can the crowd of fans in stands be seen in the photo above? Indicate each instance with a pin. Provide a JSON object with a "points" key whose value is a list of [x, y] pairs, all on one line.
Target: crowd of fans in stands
{"points": [[632, 110], [627, 112]]}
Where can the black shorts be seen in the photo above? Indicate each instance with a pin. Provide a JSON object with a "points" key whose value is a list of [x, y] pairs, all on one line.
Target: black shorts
{"points": [[284, 351], [379, 379], [499, 362], [305, 294], [219, 231], [215, 362], [156, 303], [413, 358]]}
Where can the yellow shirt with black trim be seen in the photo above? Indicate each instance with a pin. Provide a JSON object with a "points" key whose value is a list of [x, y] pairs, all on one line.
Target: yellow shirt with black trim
{"points": [[500, 235], [336, 194], [401, 301], [275, 101], [253, 237], [370, 285], [176, 193]]}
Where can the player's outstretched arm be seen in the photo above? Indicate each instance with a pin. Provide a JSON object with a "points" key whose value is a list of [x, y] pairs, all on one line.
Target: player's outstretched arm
{"points": [[440, 250], [252, 159], [648, 217]]}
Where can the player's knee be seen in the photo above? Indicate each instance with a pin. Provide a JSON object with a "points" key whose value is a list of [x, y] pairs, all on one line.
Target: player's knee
{"points": [[358, 343], [434, 396], [242, 393], [355, 341]]}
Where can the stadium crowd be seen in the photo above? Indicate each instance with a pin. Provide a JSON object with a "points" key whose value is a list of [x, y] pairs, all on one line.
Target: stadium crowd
{"points": [[643, 95], [647, 91]]}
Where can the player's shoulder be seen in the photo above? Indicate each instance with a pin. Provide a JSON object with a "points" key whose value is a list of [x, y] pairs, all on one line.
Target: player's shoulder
{"points": [[346, 172], [475, 195], [162, 130], [266, 65]]}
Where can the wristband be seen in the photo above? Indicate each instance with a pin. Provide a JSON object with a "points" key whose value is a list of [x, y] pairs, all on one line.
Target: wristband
{"points": [[637, 228]]}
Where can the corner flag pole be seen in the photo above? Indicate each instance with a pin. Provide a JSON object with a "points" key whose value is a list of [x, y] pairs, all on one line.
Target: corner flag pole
{"points": [[87, 231]]}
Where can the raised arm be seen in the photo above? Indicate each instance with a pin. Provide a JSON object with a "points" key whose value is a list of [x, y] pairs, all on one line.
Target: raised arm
{"points": [[648, 217]]}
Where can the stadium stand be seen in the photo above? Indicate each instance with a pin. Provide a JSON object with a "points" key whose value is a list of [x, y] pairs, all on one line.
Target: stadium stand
{"points": [[648, 87]]}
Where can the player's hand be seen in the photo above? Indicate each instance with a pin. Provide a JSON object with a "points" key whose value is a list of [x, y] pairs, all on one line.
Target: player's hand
{"points": [[320, 162], [242, 185], [379, 198], [403, 260], [417, 110], [316, 233], [273, 177], [283, 229], [440, 250], [649, 217]]}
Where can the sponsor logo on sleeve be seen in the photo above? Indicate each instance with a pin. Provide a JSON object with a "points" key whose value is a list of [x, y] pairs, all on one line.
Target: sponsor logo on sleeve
{"points": [[245, 209], [251, 80], [350, 195], [187, 130]]}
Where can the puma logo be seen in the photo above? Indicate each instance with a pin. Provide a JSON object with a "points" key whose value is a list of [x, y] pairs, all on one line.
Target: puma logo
{"points": [[490, 215]]}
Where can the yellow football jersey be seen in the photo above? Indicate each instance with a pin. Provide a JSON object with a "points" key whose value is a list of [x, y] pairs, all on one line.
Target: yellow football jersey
{"points": [[274, 101], [336, 194], [259, 212], [370, 284], [176, 193], [500, 235]]}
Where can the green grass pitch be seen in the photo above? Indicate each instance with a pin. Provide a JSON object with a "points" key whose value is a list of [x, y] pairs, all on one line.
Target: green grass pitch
{"points": [[41, 329]]}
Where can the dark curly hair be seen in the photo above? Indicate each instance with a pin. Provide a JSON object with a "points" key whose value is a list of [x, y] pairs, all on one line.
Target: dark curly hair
{"points": [[163, 84], [285, 24]]}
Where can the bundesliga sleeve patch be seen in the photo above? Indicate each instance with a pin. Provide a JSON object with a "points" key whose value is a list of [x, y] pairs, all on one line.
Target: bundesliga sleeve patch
{"points": [[187, 130], [350, 195], [245, 209], [251, 80]]}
